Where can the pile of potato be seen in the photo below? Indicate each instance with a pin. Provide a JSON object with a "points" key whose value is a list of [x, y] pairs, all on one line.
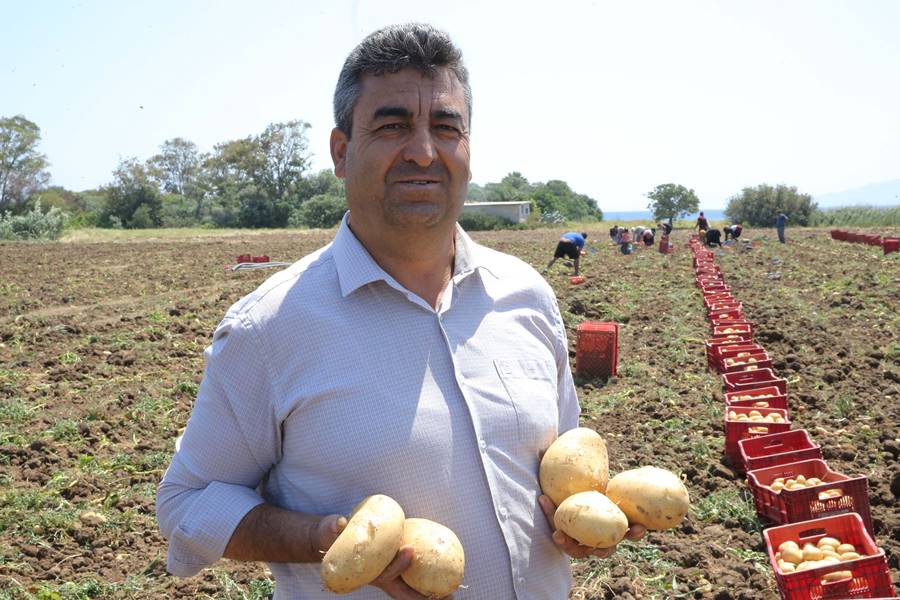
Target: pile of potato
{"points": [[731, 362], [755, 416], [596, 511], [801, 482], [827, 551], [376, 530], [753, 397]]}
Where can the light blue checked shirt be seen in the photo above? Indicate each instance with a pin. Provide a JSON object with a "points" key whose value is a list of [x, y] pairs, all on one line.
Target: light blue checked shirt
{"points": [[332, 382]]}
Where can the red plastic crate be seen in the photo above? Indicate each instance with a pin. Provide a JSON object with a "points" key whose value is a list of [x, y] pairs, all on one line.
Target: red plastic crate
{"points": [[834, 234], [722, 317], [793, 506], [749, 380], [724, 304], [778, 449], [716, 354], [870, 575], [762, 361], [891, 244], [597, 349], [712, 344], [717, 299], [740, 430], [873, 240], [774, 398], [244, 258], [742, 328]]}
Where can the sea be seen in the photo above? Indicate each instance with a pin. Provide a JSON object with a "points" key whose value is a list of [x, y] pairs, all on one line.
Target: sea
{"points": [[713, 214]]}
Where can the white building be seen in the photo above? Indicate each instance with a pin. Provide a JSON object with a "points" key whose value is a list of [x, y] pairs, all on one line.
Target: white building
{"points": [[517, 212]]}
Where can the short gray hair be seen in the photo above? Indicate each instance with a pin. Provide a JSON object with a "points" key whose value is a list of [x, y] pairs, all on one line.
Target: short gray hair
{"points": [[409, 46]]}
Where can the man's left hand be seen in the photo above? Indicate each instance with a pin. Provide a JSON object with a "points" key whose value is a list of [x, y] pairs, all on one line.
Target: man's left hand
{"points": [[572, 547]]}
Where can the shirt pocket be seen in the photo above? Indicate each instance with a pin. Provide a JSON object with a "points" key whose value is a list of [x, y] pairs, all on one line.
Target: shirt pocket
{"points": [[532, 389]]}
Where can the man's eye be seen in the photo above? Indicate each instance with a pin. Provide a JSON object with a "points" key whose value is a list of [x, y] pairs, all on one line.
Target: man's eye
{"points": [[444, 127], [392, 126]]}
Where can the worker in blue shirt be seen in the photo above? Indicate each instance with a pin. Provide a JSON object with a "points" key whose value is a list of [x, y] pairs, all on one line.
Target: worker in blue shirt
{"points": [[780, 222], [570, 245]]}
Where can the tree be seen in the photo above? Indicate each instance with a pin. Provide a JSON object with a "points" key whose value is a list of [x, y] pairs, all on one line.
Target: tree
{"points": [[758, 206], [132, 198], [22, 167], [322, 211], [325, 182], [284, 157], [177, 170], [556, 196], [672, 201]]}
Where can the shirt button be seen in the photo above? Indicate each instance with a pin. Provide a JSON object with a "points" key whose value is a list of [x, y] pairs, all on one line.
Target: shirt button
{"points": [[521, 581], [503, 512], [483, 445]]}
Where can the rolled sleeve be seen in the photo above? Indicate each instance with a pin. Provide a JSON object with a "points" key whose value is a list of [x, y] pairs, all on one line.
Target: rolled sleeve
{"points": [[199, 540], [231, 441]]}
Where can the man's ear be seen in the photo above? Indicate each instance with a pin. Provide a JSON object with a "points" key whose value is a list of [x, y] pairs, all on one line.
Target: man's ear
{"points": [[339, 144]]}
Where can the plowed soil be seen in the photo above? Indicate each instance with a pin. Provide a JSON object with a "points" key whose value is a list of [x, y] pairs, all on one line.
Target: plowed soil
{"points": [[101, 354]]}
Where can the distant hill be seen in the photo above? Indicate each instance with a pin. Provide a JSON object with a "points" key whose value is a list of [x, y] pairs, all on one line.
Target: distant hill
{"points": [[883, 193]]}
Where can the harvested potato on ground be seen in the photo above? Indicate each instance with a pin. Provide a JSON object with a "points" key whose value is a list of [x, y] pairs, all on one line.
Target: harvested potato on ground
{"points": [[650, 496], [592, 519], [365, 547], [576, 462], [437, 569]]}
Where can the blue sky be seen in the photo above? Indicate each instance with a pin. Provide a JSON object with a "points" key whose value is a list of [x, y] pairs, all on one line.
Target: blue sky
{"points": [[613, 97]]}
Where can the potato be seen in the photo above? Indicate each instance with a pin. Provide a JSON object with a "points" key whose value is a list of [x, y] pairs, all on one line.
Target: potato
{"points": [[653, 497], [844, 548], [592, 519], [788, 543], [811, 553], [365, 547], [576, 462], [792, 554], [437, 569], [828, 541], [836, 576]]}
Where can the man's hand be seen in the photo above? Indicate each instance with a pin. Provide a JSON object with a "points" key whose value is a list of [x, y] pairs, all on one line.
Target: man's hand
{"points": [[572, 547], [326, 532], [392, 584]]}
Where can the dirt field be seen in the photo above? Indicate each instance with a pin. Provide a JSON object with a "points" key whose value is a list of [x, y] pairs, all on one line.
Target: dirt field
{"points": [[100, 358]]}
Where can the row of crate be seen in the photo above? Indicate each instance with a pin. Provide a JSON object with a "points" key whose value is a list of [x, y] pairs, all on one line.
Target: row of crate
{"points": [[760, 441], [889, 244]]}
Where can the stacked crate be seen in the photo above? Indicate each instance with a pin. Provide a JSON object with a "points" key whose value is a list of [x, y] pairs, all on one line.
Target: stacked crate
{"points": [[792, 486]]}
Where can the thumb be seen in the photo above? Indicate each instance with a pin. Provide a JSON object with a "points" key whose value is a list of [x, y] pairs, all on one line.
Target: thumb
{"points": [[328, 530]]}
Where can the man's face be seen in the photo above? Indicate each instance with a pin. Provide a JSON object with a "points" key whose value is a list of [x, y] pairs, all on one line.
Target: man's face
{"points": [[406, 165]]}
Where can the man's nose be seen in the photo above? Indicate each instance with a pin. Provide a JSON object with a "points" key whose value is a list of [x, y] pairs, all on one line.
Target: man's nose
{"points": [[420, 148]]}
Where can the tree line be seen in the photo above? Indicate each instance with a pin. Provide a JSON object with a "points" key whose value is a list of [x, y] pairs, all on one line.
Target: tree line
{"points": [[262, 180]]}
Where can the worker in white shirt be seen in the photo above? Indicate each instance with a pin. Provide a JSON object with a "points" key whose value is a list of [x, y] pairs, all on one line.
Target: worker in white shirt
{"points": [[402, 359]]}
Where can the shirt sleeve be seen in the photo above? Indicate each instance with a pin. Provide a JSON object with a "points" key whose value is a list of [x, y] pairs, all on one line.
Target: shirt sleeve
{"points": [[569, 410], [231, 441]]}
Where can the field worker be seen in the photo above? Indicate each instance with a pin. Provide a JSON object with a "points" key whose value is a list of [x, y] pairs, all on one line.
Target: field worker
{"points": [[713, 238], [569, 245], [647, 237], [702, 223], [666, 227], [637, 231], [401, 359], [780, 222], [734, 231]]}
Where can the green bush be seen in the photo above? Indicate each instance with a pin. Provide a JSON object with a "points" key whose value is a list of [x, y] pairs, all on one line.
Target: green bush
{"points": [[475, 221], [322, 211], [758, 206], [33, 225]]}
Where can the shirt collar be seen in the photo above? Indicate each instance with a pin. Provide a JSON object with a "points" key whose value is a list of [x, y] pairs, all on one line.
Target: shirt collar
{"points": [[356, 267]]}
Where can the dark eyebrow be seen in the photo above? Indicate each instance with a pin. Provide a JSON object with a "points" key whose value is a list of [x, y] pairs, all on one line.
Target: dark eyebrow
{"points": [[392, 111], [445, 113]]}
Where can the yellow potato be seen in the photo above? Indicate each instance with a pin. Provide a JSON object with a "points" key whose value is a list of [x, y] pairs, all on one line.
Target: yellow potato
{"points": [[849, 556], [777, 486], [365, 547], [653, 497], [844, 548], [789, 543], [755, 413], [836, 576], [576, 462], [787, 567], [813, 481], [801, 478], [792, 554], [811, 553], [828, 541], [592, 519], [437, 569]]}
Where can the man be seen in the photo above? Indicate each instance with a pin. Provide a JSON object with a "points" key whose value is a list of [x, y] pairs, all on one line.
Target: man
{"points": [[569, 245], [713, 238], [780, 222], [734, 231], [702, 223], [666, 227], [401, 359]]}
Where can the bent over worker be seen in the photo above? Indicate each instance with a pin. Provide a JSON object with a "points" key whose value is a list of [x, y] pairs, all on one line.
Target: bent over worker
{"points": [[570, 246]]}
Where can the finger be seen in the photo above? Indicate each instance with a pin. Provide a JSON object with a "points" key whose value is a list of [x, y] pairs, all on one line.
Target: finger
{"points": [[603, 552], [328, 530], [636, 532], [569, 545], [548, 507], [401, 562]]}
